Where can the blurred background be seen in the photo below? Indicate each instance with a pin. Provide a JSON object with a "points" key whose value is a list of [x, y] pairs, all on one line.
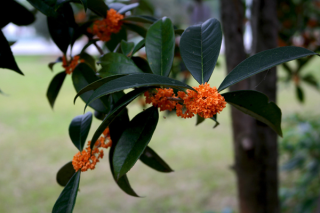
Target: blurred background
{"points": [[34, 140]]}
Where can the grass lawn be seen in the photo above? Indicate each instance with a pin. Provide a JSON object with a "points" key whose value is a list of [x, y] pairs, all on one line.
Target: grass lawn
{"points": [[34, 144]]}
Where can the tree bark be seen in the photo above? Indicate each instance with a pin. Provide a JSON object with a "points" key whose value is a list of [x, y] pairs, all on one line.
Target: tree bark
{"points": [[255, 144]]}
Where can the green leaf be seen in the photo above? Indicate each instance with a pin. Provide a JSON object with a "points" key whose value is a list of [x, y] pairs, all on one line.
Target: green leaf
{"points": [[134, 140], [141, 19], [154, 161], [257, 105], [136, 28], [65, 174], [88, 59], [263, 61], [214, 118], [116, 110], [99, 7], [140, 45], [7, 60], [54, 87], [79, 129], [115, 64], [142, 64], [46, 7], [90, 42], [199, 120], [160, 42], [85, 4], [126, 47], [51, 64], [200, 47], [311, 80], [95, 85], [116, 129], [128, 7], [178, 31], [116, 38], [300, 94], [82, 76], [136, 81], [68, 196]]}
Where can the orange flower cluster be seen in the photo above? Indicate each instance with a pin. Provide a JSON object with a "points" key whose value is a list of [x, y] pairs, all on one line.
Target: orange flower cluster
{"points": [[104, 28], [69, 67], [206, 102], [87, 159]]}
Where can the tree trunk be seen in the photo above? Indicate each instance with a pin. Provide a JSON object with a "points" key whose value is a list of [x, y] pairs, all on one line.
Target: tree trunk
{"points": [[255, 144]]}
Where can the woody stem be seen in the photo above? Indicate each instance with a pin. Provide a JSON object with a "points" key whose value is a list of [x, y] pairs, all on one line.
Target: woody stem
{"points": [[98, 48]]}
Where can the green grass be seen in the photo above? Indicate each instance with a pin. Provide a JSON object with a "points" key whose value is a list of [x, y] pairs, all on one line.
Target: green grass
{"points": [[34, 144]]}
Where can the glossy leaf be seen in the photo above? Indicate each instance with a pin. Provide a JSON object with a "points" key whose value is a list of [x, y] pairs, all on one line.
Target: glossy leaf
{"points": [[128, 7], [51, 64], [200, 47], [85, 4], [160, 42], [95, 85], [263, 61], [116, 38], [65, 174], [88, 59], [142, 64], [68, 196], [136, 81], [199, 120], [137, 47], [311, 80], [127, 47], [116, 129], [82, 76], [47, 7], [300, 94], [154, 161], [116, 110], [134, 140], [214, 118], [55, 86], [178, 31], [115, 64], [79, 129], [136, 28], [99, 7], [7, 60], [257, 105], [141, 19]]}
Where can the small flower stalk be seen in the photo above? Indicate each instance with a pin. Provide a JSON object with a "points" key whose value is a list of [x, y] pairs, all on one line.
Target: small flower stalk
{"points": [[206, 102], [69, 66]]}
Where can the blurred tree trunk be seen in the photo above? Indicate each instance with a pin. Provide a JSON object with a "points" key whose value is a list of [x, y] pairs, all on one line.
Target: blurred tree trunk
{"points": [[255, 144]]}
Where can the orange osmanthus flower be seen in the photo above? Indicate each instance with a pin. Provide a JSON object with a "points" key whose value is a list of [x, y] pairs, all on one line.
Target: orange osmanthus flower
{"points": [[70, 66], [86, 159], [206, 102], [104, 28]]}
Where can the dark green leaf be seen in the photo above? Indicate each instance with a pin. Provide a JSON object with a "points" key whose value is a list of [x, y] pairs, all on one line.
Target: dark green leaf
{"points": [[263, 61], [115, 64], [153, 160], [116, 110], [79, 129], [128, 7], [178, 31], [299, 93], [116, 129], [200, 47], [136, 81], [95, 85], [98, 7], [142, 64], [126, 47], [214, 118], [160, 42], [140, 45], [115, 39], [90, 42], [82, 76], [199, 120], [88, 59], [311, 80], [51, 64], [65, 174], [85, 4], [55, 86], [68, 196], [47, 7], [134, 140], [142, 19], [7, 60], [257, 105], [136, 28]]}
